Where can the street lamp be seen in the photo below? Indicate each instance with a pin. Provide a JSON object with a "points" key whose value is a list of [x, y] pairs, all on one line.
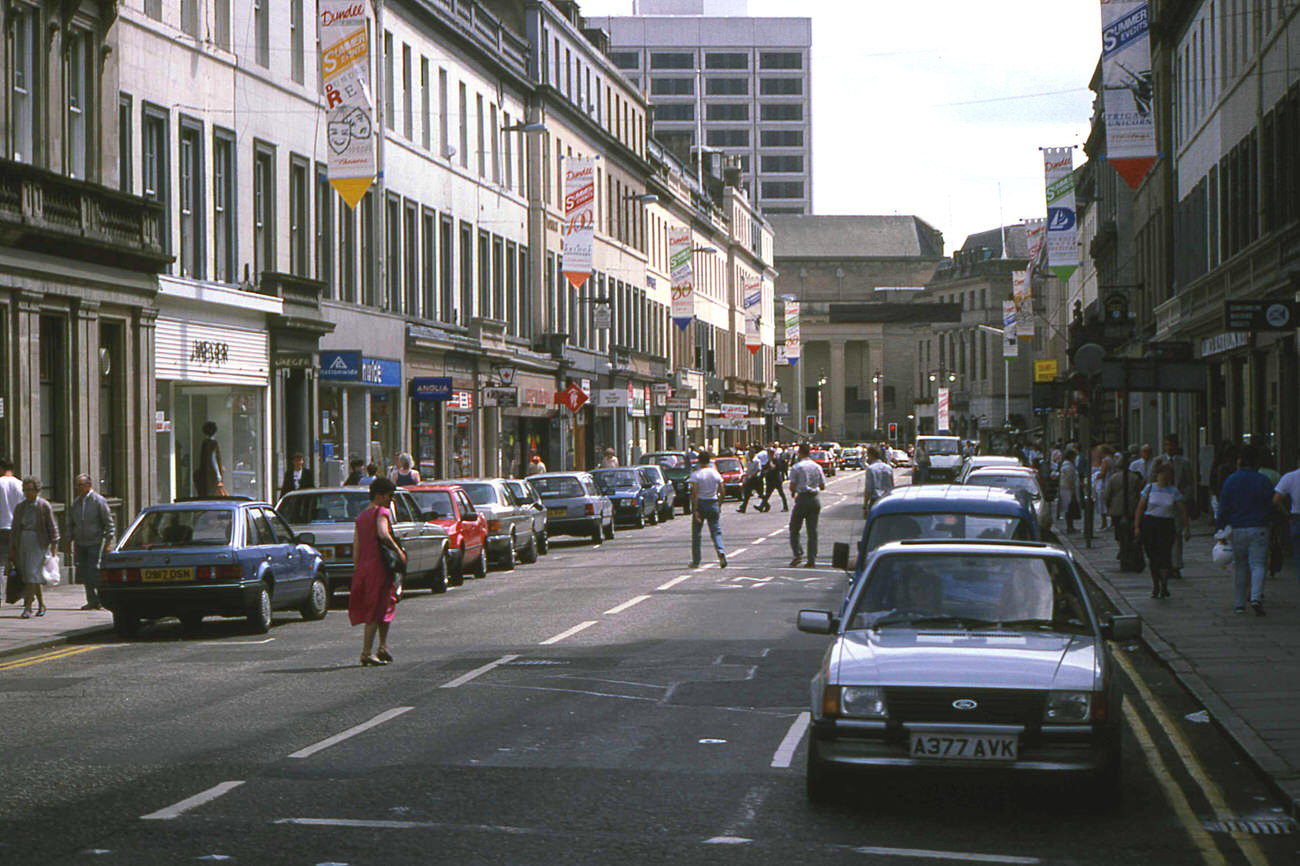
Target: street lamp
{"points": [[821, 383], [875, 404], [1006, 376]]}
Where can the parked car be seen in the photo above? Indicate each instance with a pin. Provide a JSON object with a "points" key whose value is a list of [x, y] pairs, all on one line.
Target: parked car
{"points": [[574, 506], [824, 459], [530, 498], [676, 466], [966, 657], [202, 558], [636, 502], [732, 470], [448, 506], [980, 461], [666, 492], [510, 522], [330, 514], [1017, 479]]}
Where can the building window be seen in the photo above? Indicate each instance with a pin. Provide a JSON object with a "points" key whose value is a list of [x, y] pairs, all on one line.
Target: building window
{"points": [[446, 272], [112, 409], [726, 86], [79, 64], [727, 111], [411, 258], [263, 209], [369, 255], [393, 294], [781, 87], [25, 73], [781, 111], [428, 263], [262, 32], [153, 164], [484, 275], [190, 177], [444, 143], [389, 83], [297, 60], [672, 86], [781, 138], [408, 93], [55, 447], [426, 128], [672, 60], [782, 189], [221, 32], [507, 138], [728, 60], [464, 126], [495, 135], [324, 229], [675, 111], [780, 60], [787, 163], [479, 139], [498, 280], [625, 59], [525, 326], [347, 285], [125, 150], [223, 205], [727, 137], [299, 214], [466, 273], [190, 17]]}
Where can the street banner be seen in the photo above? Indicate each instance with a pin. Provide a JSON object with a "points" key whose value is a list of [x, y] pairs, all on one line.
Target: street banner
{"points": [[683, 274], [1010, 346], [734, 410], [1126, 88], [781, 359], [1023, 295], [792, 346], [1062, 242], [579, 218], [941, 419], [753, 315], [349, 103]]}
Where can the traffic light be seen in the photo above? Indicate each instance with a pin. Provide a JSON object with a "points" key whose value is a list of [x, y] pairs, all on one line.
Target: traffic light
{"points": [[810, 424], [893, 432]]}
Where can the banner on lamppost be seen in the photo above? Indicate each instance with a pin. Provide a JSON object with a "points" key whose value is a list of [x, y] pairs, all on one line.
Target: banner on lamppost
{"points": [[579, 218], [683, 275], [1010, 346], [349, 103], [1062, 242], [1023, 295], [941, 420], [792, 345], [1126, 88], [753, 315]]}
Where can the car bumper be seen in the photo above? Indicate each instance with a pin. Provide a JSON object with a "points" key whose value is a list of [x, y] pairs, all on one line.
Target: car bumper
{"points": [[498, 545], [583, 526], [224, 599], [338, 574], [628, 513]]}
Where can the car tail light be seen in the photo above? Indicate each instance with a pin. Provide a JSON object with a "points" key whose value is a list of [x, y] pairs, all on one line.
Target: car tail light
{"points": [[591, 509], [494, 526], [218, 572], [343, 551], [112, 575]]}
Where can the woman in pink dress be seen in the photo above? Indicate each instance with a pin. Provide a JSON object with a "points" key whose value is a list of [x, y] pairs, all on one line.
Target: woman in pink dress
{"points": [[373, 597]]}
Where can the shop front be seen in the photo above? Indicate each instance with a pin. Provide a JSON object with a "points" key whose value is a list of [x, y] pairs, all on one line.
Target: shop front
{"points": [[529, 420], [360, 411]]}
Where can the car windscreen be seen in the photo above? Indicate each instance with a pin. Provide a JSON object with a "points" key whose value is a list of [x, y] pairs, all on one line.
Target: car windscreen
{"points": [[482, 494], [1018, 481], [939, 446], [434, 504], [900, 527], [623, 479], [727, 464], [974, 591], [189, 527], [667, 461], [559, 488]]}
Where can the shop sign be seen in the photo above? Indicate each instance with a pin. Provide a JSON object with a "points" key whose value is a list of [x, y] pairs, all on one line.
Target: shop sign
{"points": [[573, 397], [638, 397], [1044, 371], [430, 388], [535, 397], [1260, 315], [506, 398], [1226, 342], [677, 404], [206, 352], [381, 373], [461, 401], [340, 366], [734, 410], [613, 398], [668, 421], [294, 361], [210, 352], [661, 388]]}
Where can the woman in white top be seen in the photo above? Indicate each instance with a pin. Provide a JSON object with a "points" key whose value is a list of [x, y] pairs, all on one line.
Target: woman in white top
{"points": [[1160, 513]]}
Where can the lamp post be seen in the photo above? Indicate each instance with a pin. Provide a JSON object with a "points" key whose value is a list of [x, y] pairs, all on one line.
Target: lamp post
{"points": [[1006, 377], [875, 404], [821, 383], [942, 379]]}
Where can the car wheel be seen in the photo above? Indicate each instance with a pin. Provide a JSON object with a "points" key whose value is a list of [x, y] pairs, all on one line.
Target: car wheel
{"points": [[190, 623], [125, 623], [259, 615], [529, 554], [609, 530], [440, 579], [640, 519], [544, 544], [508, 561], [480, 564], [822, 783], [597, 536], [318, 601], [654, 515], [458, 576]]}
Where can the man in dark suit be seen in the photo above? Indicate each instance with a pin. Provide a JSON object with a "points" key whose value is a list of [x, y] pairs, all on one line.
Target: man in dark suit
{"points": [[296, 477]]}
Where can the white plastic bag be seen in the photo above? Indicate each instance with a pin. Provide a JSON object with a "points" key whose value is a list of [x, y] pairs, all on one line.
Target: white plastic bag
{"points": [[50, 570], [1222, 554]]}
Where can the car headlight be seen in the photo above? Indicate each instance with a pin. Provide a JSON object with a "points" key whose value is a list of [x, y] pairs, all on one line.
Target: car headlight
{"points": [[859, 702], [1068, 708]]}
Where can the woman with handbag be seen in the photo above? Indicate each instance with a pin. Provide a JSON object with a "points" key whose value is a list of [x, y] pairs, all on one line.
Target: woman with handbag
{"points": [[36, 536], [1160, 515], [378, 562]]}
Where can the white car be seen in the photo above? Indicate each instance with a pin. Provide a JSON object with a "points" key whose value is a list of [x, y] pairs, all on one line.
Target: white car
{"points": [[984, 461], [898, 457]]}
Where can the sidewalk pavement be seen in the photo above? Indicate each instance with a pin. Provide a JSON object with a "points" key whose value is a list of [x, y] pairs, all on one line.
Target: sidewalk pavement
{"points": [[1241, 667], [64, 620]]}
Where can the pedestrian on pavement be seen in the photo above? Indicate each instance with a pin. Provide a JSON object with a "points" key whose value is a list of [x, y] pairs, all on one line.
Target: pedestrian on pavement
{"points": [[404, 474], [38, 537], [1225, 463], [1183, 480], [372, 473], [535, 464], [1159, 517], [209, 477], [1286, 497], [90, 523], [1067, 494], [356, 470], [922, 461], [11, 493], [773, 478], [877, 481], [610, 460], [1245, 505], [1142, 464], [806, 484], [372, 597], [1102, 464], [753, 479], [1121, 496], [706, 489], [297, 476]]}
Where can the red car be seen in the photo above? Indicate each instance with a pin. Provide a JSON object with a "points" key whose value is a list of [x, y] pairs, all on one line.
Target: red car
{"points": [[732, 471], [824, 459], [448, 506]]}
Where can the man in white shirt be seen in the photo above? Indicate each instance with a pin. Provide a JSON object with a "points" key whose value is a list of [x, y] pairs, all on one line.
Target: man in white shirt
{"points": [[878, 481], [11, 493], [806, 483], [1287, 499], [753, 477], [1142, 465], [706, 491]]}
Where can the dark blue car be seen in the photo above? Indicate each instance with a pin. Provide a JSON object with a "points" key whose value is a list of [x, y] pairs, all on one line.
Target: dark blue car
{"points": [[219, 557], [636, 500]]}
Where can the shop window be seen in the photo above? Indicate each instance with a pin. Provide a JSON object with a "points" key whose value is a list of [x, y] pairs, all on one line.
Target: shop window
{"points": [[190, 184], [55, 447]]}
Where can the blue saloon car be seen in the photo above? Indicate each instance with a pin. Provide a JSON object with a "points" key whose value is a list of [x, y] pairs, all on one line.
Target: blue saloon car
{"points": [[948, 511], [636, 501], [217, 557], [574, 505]]}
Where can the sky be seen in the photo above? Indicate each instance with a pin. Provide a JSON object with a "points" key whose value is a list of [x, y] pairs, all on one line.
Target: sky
{"points": [[938, 108]]}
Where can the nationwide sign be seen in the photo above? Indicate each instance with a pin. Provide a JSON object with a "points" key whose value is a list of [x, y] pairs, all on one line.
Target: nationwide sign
{"points": [[1062, 243], [683, 275], [349, 103], [579, 218], [753, 317], [1127, 89], [792, 347]]}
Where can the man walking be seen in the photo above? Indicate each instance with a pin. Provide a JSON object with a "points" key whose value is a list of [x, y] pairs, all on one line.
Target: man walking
{"points": [[806, 484], [1286, 497], [1244, 505], [90, 523], [878, 481], [1142, 465], [753, 478], [1120, 496], [1183, 481], [706, 488], [297, 476], [11, 493], [773, 479]]}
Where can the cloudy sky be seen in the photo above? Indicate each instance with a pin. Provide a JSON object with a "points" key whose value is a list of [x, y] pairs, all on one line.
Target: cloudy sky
{"points": [[938, 108]]}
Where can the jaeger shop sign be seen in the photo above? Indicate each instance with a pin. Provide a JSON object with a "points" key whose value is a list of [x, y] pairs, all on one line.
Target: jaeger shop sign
{"points": [[197, 352]]}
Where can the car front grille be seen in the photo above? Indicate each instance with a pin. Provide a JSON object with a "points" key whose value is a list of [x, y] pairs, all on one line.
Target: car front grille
{"points": [[992, 706]]}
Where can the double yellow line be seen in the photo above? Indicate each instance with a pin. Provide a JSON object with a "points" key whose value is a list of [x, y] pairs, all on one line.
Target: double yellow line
{"points": [[52, 655]]}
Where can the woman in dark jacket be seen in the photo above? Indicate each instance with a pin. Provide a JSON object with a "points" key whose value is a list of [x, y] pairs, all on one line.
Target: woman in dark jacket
{"points": [[35, 536]]}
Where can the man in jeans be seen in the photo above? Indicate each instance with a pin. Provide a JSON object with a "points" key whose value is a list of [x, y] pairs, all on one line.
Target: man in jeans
{"points": [[90, 523], [1245, 505], [1286, 497], [706, 489], [806, 483], [878, 480]]}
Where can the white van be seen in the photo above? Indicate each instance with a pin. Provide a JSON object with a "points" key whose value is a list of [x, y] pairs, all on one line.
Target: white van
{"points": [[945, 456]]}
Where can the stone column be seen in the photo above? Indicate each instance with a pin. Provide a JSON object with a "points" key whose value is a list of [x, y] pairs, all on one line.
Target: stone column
{"points": [[835, 382], [83, 383], [26, 408]]}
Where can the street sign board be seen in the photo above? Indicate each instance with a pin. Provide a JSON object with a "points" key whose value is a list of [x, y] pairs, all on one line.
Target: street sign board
{"points": [[660, 388], [501, 397], [1044, 371], [1144, 374], [1261, 315], [613, 398], [572, 397], [734, 410], [677, 404]]}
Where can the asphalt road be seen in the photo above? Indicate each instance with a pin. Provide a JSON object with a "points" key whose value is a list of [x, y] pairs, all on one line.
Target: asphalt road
{"points": [[603, 705]]}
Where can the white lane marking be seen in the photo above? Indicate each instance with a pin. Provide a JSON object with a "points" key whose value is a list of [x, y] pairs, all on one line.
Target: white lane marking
{"points": [[178, 809], [351, 732], [739, 551], [760, 540], [568, 633], [775, 532], [924, 854], [785, 752], [728, 840], [619, 608], [402, 825], [477, 672], [241, 642], [670, 584], [572, 692]]}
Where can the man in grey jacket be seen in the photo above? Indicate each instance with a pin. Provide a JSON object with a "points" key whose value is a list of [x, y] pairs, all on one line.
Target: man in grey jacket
{"points": [[90, 523]]}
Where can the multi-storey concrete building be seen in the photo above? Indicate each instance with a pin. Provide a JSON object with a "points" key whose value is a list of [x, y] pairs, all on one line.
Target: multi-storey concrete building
{"points": [[744, 83]]}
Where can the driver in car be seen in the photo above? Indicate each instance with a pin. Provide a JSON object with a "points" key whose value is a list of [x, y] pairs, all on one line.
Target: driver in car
{"points": [[921, 592]]}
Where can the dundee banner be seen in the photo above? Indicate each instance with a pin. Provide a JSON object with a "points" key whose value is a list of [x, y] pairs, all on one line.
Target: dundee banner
{"points": [[793, 347], [683, 275], [1062, 239], [349, 103], [579, 218], [1022, 292], [753, 317], [1126, 88]]}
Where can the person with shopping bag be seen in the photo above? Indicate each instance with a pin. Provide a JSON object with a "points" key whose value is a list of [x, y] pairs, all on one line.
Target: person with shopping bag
{"points": [[36, 535]]}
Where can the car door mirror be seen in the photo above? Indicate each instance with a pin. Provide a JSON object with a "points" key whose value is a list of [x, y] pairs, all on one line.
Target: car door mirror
{"points": [[816, 621], [840, 556], [1122, 628], [307, 538]]}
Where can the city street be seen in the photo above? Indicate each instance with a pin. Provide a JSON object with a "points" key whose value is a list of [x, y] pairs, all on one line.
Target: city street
{"points": [[605, 704]]}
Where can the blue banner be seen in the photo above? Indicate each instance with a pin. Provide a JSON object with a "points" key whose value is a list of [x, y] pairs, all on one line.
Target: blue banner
{"points": [[431, 388], [340, 366]]}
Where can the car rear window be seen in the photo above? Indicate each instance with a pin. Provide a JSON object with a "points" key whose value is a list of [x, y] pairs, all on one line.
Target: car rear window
{"points": [[189, 527], [616, 479], [900, 527], [559, 488], [435, 504], [667, 461], [482, 494], [332, 507], [727, 464], [939, 446], [1006, 482]]}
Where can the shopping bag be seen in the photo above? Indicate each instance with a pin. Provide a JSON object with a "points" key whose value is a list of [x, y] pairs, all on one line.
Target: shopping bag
{"points": [[13, 585], [50, 570]]}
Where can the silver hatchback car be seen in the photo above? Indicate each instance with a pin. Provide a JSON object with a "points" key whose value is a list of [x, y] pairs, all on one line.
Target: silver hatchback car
{"points": [[966, 656]]}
